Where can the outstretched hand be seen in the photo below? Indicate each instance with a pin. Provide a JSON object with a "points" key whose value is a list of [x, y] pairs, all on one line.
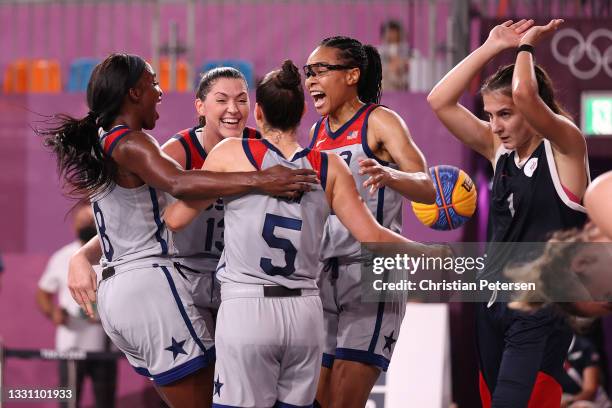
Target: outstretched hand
{"points": [[281, 181], [536, 33], [379, 175], [509, 34]]}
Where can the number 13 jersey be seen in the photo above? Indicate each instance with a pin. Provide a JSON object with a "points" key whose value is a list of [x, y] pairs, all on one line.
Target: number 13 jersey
{"points": [[275, 241]]}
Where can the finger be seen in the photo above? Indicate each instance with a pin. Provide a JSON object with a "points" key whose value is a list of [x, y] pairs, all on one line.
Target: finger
{"points": [[296, 188], [369, 170], [524, 26], [368, 182], [94, 281], [507, 23], [366, 162], [89, 309], [306, 179], [304, 172], [74, 295], [91, 295], [518, 23]]}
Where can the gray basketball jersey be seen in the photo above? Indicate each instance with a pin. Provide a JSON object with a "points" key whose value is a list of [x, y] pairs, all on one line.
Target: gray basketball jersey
{"points": [[200, 244], [130, 220], [350, 142], [271, 241]]}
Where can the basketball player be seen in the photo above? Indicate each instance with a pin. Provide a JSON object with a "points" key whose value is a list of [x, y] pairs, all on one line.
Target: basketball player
{"points": [[344, 78], [125, 174], [222, 103], [270, 323], [539, 159]]}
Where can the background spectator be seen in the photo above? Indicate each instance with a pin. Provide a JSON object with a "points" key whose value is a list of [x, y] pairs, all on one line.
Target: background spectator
{"points": [[74, 330], [395, 53], [582, 386]]}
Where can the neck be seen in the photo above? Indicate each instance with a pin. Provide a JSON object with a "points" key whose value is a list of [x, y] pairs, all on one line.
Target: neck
{"points": [[286, 142], [127, 120], [526, 149], [344, 113], [209, 139]]}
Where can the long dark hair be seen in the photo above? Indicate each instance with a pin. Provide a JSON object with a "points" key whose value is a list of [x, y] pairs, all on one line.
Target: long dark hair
{"points": [[209, 78], [364, 57], [281, 97], [502, 81], [75, 142]]}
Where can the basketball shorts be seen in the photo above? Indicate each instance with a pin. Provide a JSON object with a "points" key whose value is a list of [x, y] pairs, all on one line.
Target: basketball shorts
{"points": [[268, 348], [205, 290], [354, 330], [149, 314], [521, 356]]}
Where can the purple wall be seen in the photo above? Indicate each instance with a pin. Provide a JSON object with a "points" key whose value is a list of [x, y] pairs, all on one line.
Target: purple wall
{"points": [[232, 29]]}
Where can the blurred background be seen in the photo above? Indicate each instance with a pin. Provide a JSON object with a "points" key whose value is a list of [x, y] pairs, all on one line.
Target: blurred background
{"points": [[49, 48]]}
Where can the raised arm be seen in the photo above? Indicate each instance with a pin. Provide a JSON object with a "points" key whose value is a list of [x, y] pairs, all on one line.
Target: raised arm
{"points": [[140, 154], [444, 97], [412, 180], [565, 137]]}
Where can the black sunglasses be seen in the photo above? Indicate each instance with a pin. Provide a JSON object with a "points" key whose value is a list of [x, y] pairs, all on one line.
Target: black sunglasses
{"points": [[320, 68]]}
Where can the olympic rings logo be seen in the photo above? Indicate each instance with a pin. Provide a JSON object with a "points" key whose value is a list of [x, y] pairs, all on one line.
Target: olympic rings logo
{"points": [[600, 60]]}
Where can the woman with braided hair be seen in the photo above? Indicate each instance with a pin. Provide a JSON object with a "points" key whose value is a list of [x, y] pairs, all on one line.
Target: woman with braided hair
{"points": [[344, 79]]}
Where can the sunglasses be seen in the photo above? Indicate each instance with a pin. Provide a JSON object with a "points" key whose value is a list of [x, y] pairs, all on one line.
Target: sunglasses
{"points": [[321, 68]]}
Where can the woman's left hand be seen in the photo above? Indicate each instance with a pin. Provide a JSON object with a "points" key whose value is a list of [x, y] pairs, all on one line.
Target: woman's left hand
{"points": [[379, 175], [536, 33]]}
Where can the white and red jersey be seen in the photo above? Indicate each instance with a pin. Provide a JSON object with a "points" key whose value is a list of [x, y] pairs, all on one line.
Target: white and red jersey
{"points": [[350, 142]]}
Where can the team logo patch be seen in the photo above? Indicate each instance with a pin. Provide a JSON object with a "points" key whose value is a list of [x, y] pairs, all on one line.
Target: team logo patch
{"points": [[530, 166], [353, 135]]}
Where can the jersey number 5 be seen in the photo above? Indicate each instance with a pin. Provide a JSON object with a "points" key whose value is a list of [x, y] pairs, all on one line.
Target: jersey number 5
{"points": [[271, 222]]}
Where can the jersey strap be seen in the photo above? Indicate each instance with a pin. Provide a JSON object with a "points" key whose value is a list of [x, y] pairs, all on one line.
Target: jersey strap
{"points": [[110, 139], [255, 151], [318, 161], [194, 152]]}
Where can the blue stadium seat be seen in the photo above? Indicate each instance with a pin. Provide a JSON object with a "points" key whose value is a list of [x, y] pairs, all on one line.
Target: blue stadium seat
{"points": [[246, 67], [80, 71]]}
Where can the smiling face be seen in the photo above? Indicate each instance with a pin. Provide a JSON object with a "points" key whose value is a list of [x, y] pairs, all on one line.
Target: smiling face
{"points": [[225, 107], [506, 121], [151, 95], [330, 88]]}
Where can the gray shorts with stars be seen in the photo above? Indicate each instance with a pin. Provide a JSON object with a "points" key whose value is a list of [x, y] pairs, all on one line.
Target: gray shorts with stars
{"points": [[364, 332]]}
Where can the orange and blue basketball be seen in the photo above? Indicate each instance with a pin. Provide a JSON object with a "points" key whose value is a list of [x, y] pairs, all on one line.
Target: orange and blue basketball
{"points": [[456, 198]]}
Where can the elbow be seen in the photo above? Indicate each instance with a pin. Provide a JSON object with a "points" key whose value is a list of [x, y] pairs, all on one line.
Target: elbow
{"points": [[523, 93], [429, 193], [435, 101], [173, 224]]}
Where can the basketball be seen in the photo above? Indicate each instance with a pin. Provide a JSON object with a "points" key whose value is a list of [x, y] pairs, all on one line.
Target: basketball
{"points": [[455, 199]]}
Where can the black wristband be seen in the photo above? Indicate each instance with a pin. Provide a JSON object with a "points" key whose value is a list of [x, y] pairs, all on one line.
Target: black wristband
{"points": [[526, 47]]}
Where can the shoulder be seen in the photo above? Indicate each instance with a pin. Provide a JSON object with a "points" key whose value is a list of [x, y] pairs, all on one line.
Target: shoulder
{"points": [[175, 149], [228, 148], [383, 118]]}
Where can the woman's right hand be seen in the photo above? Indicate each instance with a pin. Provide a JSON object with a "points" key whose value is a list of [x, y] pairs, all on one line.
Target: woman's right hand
{"points": [[508, 34], [82, 283]]}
